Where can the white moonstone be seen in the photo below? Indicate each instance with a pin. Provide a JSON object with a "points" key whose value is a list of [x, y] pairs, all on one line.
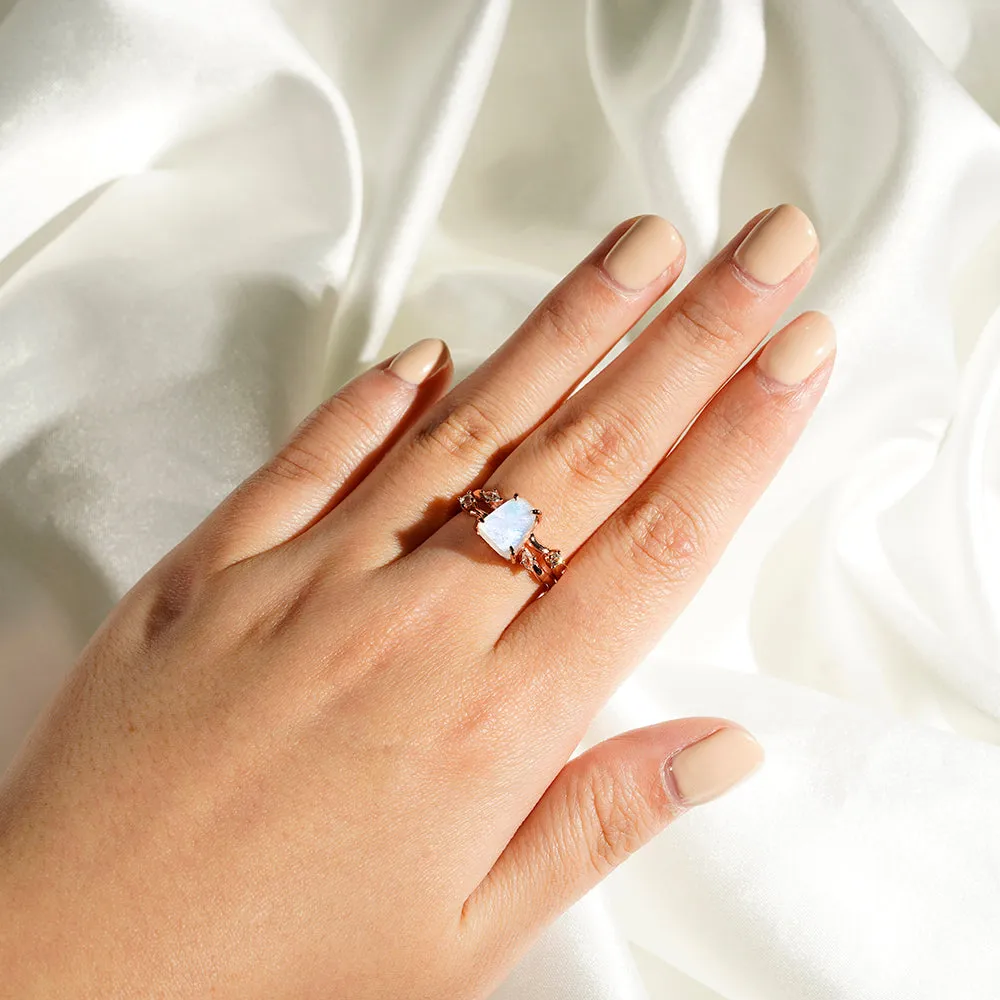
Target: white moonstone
{"points": [[509, 526]]}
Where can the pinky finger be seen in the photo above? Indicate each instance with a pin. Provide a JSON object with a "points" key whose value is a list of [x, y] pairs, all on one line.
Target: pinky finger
{"points": [[603, 806], [328, 454]]}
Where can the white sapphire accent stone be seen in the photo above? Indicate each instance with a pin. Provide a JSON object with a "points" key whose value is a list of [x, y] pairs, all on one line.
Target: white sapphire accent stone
{"points": [[509, 526]]}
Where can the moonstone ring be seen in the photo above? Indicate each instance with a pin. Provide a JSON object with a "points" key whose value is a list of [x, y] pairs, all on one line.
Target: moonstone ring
{"points": [[508, 526]]}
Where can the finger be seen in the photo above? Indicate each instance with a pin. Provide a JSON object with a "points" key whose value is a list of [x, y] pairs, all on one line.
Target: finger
{"points": [[601, 807], [329, 453], [596, 450], [633, 577], [455, 443]]}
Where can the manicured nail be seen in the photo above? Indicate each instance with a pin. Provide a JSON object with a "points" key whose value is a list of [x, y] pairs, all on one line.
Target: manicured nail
{"points": [[795, 352], [705, 769], [419, 360], [644, 251], [777, 245]]}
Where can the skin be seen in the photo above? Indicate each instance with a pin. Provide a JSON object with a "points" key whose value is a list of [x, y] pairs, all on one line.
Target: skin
{"points": [[321, 748]]}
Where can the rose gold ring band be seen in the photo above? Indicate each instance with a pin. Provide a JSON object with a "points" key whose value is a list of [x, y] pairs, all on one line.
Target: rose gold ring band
{"points": [[507, 526]]}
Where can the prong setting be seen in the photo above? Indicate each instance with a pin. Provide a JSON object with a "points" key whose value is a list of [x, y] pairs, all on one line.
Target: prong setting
{"points": [[543, 564]]}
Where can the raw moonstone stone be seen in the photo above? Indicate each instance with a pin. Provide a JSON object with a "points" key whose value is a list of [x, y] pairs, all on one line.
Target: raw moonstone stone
{"points": [[508, 526]]}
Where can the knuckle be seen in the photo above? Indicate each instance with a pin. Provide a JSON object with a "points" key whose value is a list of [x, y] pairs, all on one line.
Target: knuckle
{"points": [[172, 596], [562, 322], [345, 412], [708, 330], [611, 817], [747, 439], [593, 446], [298, 461], [466, 431], [182, 597], [322, 441], [667, 535]]}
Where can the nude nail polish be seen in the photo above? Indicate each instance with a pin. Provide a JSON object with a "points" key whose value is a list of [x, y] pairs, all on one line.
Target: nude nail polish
{"points": [[644, 251], [777, 245], [705, 769], [796, 351], [419, 361]]}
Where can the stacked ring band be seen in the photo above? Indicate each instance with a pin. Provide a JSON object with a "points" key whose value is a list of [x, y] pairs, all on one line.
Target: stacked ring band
{"points": [[507, 526]]}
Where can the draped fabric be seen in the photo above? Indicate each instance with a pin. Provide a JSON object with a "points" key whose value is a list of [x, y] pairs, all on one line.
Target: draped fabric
{"points": [[213, 212]]}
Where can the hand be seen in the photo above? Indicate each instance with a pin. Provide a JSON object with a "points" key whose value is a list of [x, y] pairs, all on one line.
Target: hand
{"points": [[321, 749]]}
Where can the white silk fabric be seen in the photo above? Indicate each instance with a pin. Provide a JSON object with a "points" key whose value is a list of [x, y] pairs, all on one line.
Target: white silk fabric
{"points": [[212, 212]]}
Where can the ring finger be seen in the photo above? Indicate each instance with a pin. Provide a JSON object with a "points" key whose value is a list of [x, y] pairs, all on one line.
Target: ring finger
{"points": [[465, 435]]}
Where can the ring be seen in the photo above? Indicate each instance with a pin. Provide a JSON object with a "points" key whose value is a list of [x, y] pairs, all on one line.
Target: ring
{"points": [[508, 526]]}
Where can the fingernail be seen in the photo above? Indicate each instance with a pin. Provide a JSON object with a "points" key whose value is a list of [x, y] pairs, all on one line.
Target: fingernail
{"points": [[419, 360], [643, 252], [705, 769], [795, 352], [777, 245]]}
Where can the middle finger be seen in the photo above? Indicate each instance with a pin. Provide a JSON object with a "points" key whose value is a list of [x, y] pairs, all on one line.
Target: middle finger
{"points": [[590, 455]]}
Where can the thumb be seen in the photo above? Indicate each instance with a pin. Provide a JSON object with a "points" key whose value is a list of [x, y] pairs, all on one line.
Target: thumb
{"points": [[601, 807]]}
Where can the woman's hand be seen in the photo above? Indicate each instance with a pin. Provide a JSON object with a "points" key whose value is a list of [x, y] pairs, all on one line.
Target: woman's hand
{"points": [[321, 749]]}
